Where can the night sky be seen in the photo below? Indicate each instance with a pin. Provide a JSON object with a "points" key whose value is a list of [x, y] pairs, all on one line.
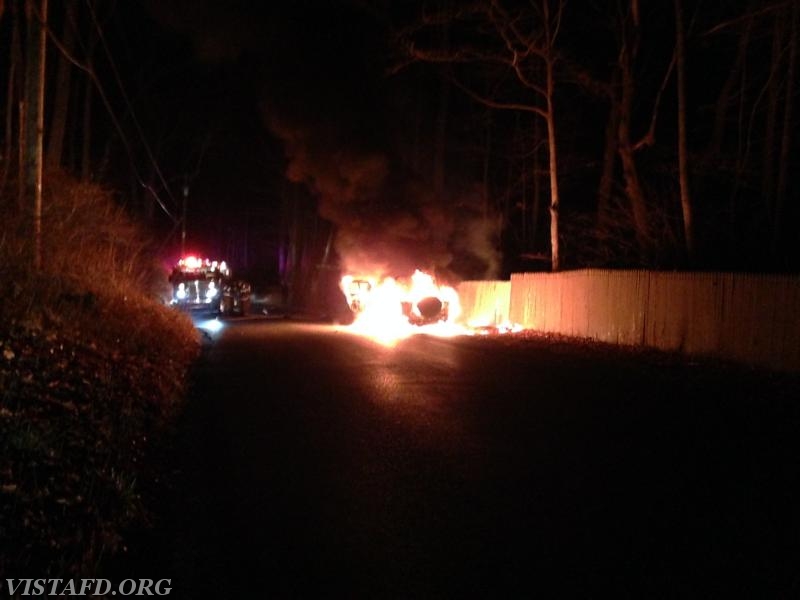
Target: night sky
{"points": [[234, 73], [307, 139], [264, 102]]}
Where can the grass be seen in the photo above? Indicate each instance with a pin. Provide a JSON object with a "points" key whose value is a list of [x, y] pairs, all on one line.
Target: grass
{"points": [[91, 365]]}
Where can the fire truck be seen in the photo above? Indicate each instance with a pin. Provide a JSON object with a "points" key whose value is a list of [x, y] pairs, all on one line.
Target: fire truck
{"points": [[207, 285]]}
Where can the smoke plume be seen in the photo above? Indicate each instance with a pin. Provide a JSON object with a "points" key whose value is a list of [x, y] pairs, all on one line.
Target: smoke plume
{"points": [[388, 222]]}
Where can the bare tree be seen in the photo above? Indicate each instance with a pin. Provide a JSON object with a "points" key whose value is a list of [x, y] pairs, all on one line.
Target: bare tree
{"points": [[621, 142], [629, 49], [36, 12], [610, 148], [521, 38], [683, 174], [771, 119], [88, 102], [58, 121], [724, 100], [13, 92], [786, 137]]}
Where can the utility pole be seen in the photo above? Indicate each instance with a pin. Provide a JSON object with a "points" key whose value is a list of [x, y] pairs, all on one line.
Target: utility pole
{"points": [[36, 13], [183, 216]]}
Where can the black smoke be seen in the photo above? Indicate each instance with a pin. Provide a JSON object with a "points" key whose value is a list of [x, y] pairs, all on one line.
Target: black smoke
{"points": [[326, 96]]}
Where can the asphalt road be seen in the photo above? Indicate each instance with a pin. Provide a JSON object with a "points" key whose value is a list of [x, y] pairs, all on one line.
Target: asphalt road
{"points": [[311, 461]]}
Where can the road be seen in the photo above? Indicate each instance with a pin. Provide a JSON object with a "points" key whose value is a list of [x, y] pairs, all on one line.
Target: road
{"points": [[311, 461]]}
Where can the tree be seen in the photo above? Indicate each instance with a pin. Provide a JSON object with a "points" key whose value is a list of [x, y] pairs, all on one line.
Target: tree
{"points": [[683, 174], [630, 40], [14, 86], [786, 137], [58, 121], [521, 38], [761, 112], [34, 117]]}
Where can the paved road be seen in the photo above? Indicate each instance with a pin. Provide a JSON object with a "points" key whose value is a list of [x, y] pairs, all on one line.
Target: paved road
{"points": [[312, 461]]}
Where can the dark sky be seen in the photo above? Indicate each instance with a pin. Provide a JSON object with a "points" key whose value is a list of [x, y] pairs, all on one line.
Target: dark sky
{"points": [[257, 102], [242, 67], [270, 91], [248, 94]]}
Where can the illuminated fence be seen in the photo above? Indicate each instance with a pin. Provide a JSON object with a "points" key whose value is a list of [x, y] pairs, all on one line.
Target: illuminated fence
{"points": [[485, 302], [749, 318]]}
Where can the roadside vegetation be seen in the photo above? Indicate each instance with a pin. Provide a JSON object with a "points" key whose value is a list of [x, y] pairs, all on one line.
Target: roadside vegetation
{"points": [[92, 365]]}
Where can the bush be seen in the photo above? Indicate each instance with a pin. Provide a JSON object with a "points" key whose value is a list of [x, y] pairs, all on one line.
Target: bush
{"points": [[90, 361]]}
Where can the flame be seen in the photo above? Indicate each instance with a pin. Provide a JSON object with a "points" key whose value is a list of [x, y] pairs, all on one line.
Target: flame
{"points": [[388, 310]]}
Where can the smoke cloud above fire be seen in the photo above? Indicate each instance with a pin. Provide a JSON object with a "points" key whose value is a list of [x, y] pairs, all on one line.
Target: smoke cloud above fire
{"points": [[387, 221], [325, 96]]}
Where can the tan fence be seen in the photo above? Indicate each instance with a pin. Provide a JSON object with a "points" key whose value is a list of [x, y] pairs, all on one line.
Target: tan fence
{"points": [[484, 302], [749, 318]]}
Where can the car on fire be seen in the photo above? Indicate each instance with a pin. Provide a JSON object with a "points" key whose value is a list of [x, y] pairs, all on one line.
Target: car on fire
{"points": [[206, 285], [419, 300]]}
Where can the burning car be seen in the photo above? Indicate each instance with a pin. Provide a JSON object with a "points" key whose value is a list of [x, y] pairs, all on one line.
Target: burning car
{"points": [[417, 301]]}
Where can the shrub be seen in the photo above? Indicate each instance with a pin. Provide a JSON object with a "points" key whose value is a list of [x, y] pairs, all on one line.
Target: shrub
{"points": [[90, 359], [98, 268]]}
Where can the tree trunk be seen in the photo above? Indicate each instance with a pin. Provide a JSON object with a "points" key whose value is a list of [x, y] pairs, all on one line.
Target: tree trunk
{"points": [[537, 185], [724, 99], [34, 120], [12, 92], [683, 171], [633, 186], [88, 92], [770, 126], [487, 160], [86, 145], [58, 123], [523, 187], [9, 142], [606, 185], [72, 146], [551, 147], [786, 138]]}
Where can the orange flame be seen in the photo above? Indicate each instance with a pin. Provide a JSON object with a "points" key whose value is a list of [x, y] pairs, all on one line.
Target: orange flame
{"points": [[388, 310]]}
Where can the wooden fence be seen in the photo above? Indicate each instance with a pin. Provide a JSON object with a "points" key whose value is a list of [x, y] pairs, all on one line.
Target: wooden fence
{"points": [[743, 317], [484, 302]]}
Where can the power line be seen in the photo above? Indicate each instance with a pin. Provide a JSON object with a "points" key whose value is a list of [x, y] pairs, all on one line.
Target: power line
{"points": [[117, 125], [139, 129]]}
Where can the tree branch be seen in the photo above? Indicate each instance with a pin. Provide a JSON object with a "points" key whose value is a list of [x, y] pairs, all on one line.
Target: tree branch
{"points": [[497, 104], [649, 138], [756, 13]]}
